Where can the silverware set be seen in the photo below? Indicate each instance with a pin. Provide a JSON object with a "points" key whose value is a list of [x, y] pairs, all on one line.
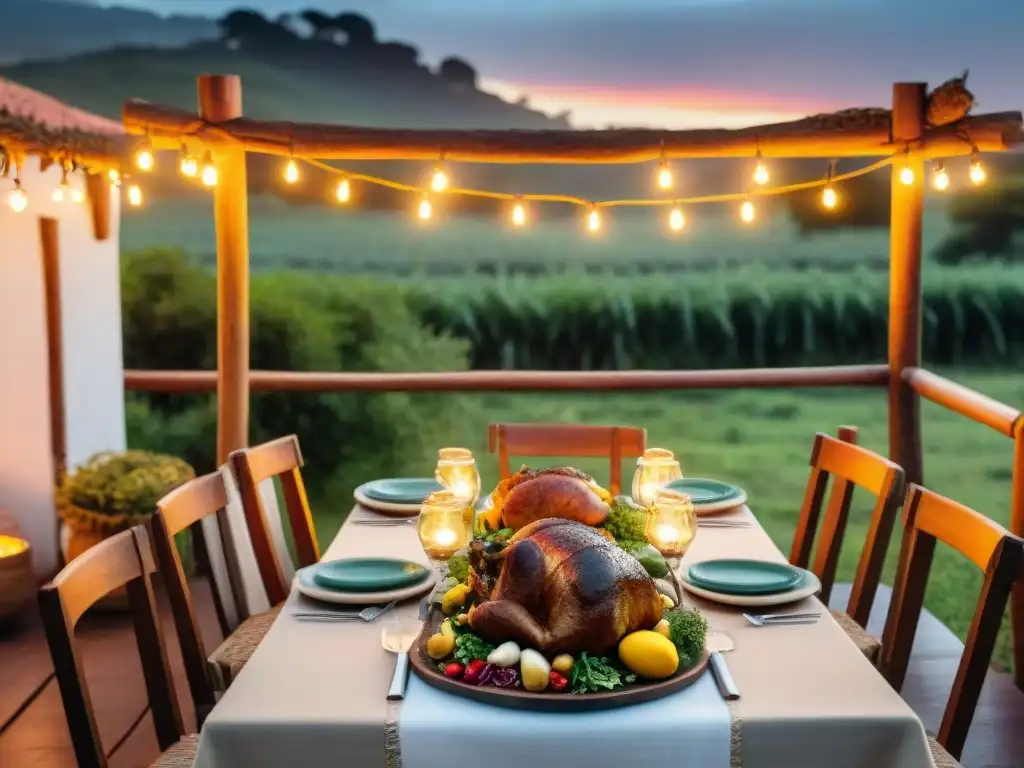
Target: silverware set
{"points": [[781, 619], [366, 614], [710, 522]]}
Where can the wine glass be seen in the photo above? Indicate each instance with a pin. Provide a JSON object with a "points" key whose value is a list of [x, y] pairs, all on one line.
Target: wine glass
{"points": [[443, 528], [671, 528], [656, 468]]}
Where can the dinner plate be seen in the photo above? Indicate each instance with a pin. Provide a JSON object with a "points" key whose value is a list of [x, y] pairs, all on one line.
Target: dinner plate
{"points": [[806, 587], [401, 490], [305, 584], [368, 574], [390, 508], [709, 496], [744, 577]]}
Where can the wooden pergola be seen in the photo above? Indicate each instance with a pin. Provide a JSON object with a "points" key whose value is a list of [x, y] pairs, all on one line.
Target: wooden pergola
{"points": [[221, 127]]}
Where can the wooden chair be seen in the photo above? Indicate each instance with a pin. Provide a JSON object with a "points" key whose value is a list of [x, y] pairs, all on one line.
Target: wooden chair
{"points": [[280, 458], [567, 440], [927, 518], [849, 466], [185, 508], [122, 560]]}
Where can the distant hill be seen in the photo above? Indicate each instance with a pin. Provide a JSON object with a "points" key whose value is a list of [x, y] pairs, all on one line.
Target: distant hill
{"points": [[46, 29]]}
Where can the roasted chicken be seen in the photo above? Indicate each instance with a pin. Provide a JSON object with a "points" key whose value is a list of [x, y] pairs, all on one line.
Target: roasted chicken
{"points": [[530, 495]]}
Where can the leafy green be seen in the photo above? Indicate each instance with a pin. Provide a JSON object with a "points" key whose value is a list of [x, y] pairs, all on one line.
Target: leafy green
{"points": [[458, 567], [590, 674], [632, 546], [687, 630], [626, 522], [469, 647]]}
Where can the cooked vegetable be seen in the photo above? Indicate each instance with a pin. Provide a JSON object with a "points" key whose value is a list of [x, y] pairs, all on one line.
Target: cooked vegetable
{"points": [[447, 628], [453, 670], [458, 567], [668, 602], [687, 630], [562, 663], [535, 670], [649, 654], [492, 674], [632, 546], [505, 655], [469, 647], [473, 670], [662, 628], [462, 619], [651, 559], [559, 682], [454, 598], [590, 674], [439, 646]]}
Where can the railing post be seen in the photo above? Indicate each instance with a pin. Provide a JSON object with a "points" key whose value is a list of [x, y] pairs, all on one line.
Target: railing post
{"points": [[220, 99], [1017, 528]]}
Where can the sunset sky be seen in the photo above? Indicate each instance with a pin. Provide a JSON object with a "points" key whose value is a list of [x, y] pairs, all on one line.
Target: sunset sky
{"points": [[692, 63]]}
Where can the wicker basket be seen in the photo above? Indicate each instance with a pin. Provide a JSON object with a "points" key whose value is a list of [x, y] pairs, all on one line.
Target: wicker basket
{"points": [[17, 581]]}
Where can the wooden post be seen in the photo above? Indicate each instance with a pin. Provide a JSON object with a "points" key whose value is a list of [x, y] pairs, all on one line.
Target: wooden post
{"points": [[220, 99], [98, 188], [50, 246], [1017, 528]]}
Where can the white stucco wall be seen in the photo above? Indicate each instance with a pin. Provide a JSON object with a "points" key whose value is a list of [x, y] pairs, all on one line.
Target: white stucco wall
{"points": [[93, 369]]}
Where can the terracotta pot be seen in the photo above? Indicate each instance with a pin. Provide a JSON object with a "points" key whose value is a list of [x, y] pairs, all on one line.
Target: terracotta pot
{"points": [[79, 541], [17, 582]]}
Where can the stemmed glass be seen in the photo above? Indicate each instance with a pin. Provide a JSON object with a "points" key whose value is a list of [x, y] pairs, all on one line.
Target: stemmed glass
{"points": [[456, 470], [671, 528], [443, 528], [655, 469]]}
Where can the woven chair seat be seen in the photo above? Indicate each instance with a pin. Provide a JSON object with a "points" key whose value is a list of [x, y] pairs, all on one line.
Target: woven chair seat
{"points": [[232, 654], [181, 755], [868, 644], [941, 757]]}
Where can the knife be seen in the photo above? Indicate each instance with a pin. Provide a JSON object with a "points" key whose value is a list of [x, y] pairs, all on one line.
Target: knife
{"points": [[400, 641], [718, 643]]}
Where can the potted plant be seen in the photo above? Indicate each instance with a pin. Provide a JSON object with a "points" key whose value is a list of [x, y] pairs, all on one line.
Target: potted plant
{"points": [[111, 492]]}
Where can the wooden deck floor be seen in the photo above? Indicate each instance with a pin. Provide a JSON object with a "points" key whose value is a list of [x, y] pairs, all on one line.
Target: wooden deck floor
{"points": [[35, 735]]}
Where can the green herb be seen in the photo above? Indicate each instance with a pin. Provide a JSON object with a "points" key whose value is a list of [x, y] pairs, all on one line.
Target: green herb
{"points": [[590, 674], [626, 521], [687, 630], [632, 546], [458, 567], [469, 647]]}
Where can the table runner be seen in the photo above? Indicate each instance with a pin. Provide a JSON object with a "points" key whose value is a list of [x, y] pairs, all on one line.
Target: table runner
{"points": [[313, 694]]}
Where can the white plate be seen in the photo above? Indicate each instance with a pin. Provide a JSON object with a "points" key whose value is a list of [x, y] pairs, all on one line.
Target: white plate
{"points": [[720, 506], [305, 584], [385, 507], [808, 586]]}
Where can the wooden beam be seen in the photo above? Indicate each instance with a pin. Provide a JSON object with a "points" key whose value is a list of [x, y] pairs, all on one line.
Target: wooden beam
{"points": [[1017, 528], [517, 381], [220, 99], [855, 133], [97, 186], [49, 239], [960, 399]]}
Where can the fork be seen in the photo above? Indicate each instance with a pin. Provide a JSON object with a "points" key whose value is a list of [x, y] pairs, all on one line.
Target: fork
{"points": [[783, 619], [723, 523], [367, 614], [385, 523]]}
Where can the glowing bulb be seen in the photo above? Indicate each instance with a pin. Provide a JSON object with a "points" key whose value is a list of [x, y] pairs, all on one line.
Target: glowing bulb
{"points": [[58, 193], [940, 179], [77, 195], [761, 173], [134, 195], [439, 181], [114, 175], [209, 174], [977, 172], [291, 172], [747, 212], [17, 198], [144, 156], [676, 220], [665, 176], [189, 166], [593, 220], [425, 209], [906, 175], [344, 191], [519, 215], [829, 198]]}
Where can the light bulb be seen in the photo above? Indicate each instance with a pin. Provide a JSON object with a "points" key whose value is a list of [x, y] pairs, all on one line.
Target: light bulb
{"points": [[519, 215], [761, 173], [17, 198], [189, 166], [593, 220], [439, 180], [58, 193], [906, 175], [977, 172], [114, 175], [209, 175], [291, 172], [134, 195], [747, 212], [344, 191], [425, 210], [144, 156], [665, 176], [676, 220], [829, 198], [77, 195], [940, 179]]}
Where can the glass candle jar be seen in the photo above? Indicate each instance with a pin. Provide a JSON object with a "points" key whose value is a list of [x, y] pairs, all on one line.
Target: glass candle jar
{"points": [[456, 471], [671, 524], [442, 526], [654, 470]]}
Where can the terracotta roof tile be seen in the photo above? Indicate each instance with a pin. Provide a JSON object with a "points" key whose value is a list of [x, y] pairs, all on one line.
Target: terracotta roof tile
{"points": [[55, 115]]}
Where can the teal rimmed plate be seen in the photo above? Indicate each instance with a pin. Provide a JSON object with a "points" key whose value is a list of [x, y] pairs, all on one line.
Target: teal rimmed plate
{"points": [[401, 490], [368, 574], [744, 577], [709, 495]]}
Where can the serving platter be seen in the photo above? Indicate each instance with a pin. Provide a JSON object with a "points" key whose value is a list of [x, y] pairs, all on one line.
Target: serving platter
{"points": [[546, 701]]}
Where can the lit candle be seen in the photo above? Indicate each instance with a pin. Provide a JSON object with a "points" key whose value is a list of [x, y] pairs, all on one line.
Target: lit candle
{"points": [[456, 470], [442, 527], [671, 524], [654, 469]]}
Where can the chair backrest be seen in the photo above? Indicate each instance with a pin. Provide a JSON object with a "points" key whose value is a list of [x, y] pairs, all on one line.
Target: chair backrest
{"points": [[849, 466], [929, 517], [123, 560], [280, 458], [567, 440], [184, 509]]}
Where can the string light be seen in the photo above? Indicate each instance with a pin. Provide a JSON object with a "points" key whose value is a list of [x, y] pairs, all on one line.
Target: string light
{"points": [[134, 195], [115, 177], [344, 191], [760, 170], [940, 179], [593, 219], [829, 198], [977, 172], [187, 163], [664, 172], [209, 174], [439, 179], [676, 220], [63, 189], [17, 198], [906, 172], [518, 214], [747, 212], [425, 210], [291, 171], [144, 155]]}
